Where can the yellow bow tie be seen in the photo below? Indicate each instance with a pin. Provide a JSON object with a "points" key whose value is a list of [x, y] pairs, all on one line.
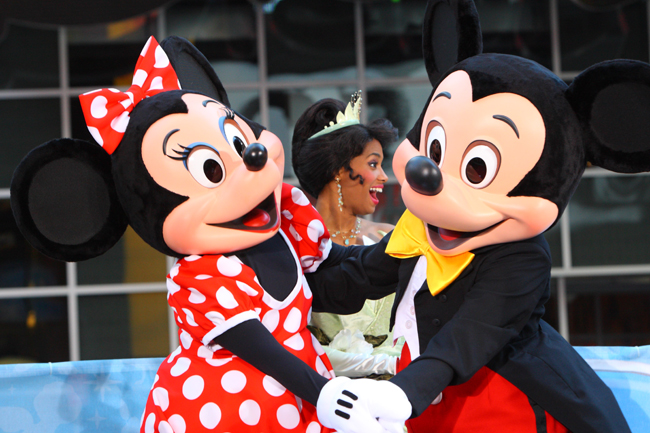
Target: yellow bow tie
{"points": [[409, 239]]}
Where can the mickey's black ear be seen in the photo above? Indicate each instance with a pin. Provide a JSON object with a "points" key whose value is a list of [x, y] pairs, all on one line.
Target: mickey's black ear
{"points": [[612, 102], [193, 69], [451, 32], [64, 200]]}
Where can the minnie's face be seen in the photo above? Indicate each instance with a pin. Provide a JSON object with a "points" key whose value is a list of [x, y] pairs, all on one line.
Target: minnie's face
{"points": [[484, 148], [200, 155]]}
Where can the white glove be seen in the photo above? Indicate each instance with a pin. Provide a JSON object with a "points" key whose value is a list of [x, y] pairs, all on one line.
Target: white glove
{"points": [[354, 406]]}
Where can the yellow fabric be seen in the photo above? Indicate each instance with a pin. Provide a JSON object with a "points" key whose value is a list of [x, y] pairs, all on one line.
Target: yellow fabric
{"points": [[409, 239]]}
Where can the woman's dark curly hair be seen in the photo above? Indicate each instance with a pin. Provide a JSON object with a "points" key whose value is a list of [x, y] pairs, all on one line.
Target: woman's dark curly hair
{"points": [[317, 161]]}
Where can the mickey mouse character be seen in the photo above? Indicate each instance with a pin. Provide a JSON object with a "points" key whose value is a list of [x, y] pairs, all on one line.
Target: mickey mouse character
{"points": [[489, 166], [201, 183]]}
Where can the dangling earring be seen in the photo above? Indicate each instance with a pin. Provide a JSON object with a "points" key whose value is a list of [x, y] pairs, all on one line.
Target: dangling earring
{"points": [[338, 185]]}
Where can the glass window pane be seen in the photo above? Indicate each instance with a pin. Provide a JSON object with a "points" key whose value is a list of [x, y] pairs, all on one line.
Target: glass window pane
{"points": [[610, 221], [20, 264], [609, 311], [29, 58], [123, 326], [34, 330], [310, 40], [131, 260], [105, 55], [26, 123], [588, 37], [224, 31]]}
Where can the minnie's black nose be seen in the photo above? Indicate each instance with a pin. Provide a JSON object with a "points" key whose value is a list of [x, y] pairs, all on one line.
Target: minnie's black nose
{"points": [[255, 157], [423, 175]]}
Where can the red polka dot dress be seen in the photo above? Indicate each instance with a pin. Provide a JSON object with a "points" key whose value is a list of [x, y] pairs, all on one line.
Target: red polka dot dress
{"points": [[202, 387]]}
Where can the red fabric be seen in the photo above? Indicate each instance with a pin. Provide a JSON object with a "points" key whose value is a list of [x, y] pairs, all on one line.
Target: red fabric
{"points": [[487, 403], [202, 387], [107, 110]]}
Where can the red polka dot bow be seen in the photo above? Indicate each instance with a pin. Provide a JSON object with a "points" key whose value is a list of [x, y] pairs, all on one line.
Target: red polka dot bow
{"points": [[107, 110]]}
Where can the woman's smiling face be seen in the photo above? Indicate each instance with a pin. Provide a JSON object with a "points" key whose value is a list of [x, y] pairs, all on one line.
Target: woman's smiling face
{"points": [[360, 197]]}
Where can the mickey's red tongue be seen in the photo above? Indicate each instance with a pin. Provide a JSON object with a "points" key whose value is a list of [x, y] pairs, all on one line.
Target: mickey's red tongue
{"points": [[256, 218], [448, 235]]}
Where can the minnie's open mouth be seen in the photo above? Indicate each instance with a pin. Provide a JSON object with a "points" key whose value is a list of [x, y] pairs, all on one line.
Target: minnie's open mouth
{"points": [[264, 217], [449, 239]]}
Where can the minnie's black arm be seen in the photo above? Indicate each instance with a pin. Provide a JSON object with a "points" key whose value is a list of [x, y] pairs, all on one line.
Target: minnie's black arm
{"points": [[253, 343]]}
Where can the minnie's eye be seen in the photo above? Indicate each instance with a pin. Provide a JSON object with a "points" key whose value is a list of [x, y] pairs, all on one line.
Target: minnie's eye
{"points": [[436, 142], [235, 138], [206, 167], [480, 164]]}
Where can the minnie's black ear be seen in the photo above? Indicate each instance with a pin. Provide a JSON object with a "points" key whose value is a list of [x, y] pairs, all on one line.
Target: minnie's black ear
{"points": [[612, 102], [64, 200], [451, 32], [193, 69]]}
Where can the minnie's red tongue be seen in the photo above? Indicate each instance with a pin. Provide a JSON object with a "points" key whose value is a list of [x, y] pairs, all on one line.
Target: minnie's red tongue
{"points": [[256, 218], [448, 235]]}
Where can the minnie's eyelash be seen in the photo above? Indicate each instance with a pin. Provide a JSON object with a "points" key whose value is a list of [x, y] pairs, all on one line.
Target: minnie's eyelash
{"points": [[230, 114], [183, 154]]}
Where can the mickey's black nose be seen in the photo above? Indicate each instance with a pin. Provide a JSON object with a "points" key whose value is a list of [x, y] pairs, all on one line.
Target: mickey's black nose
{"points": [[423, 175], [255, 157]]}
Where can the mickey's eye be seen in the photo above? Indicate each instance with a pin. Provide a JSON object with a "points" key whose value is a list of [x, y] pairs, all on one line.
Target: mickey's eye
{"points": [[480, 164], [206, 167], [235, 138], [436, 142]]}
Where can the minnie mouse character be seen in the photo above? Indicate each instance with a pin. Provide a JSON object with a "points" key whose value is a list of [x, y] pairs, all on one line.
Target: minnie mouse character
{"points": [[201, 183], [489, 166]]}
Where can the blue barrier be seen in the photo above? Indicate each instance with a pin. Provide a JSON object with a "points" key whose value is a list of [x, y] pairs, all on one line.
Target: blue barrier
{"points": [[109, 396]]}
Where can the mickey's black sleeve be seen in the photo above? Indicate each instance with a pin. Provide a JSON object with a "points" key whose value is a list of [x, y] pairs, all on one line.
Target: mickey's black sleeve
{"points": [[268, 356], [350, 275], [508, 288]]}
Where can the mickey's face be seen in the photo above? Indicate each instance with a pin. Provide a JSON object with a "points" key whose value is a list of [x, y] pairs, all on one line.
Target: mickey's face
{"points": [[232, 180], [483, 148]]}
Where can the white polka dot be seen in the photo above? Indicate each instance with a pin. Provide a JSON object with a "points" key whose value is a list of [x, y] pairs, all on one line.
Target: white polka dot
{"points": [[228, 267], [247, 289], [294, 233], [178, 423], [309, 315], [317, 346], [320, 367], [181, 366], [162, 61], [98, 107], [296, 342], [306, 288], [299, 198], [196, 297], [149, 424], [120, 123], [204, 352], [174, 354], [288, 215], [258, 311], [175, 269], [313, 427], [96, 135], [215, 317], [161, 398], [288, 416], [233, 381], [186, 339], [130, 95], [250, 412], [299, 402], [315, 230], [192, 258], [189, 317], [156, 83], [126, 103], [271, 320], [178, 318], [146, 46], [164, 427], [273, 387], [292, 322], [226, 299], [193, 387], [307, 261], [203, 277], [139, 77], [172, 287], [218, 362], [210, 415]]}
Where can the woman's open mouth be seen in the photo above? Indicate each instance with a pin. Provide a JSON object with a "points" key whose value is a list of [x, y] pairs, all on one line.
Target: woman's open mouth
{"points": [[373, 193], [446, 239], [264, 217]]}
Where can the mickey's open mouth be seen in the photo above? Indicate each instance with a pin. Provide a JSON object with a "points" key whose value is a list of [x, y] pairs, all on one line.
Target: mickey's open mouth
{"points": [[264, 217], [449, 239]]}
